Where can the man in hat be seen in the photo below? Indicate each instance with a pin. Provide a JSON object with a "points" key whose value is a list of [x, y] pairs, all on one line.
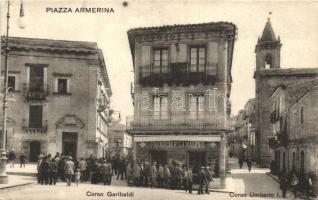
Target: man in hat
{"points": [[69, 169], [202, 180], [208, 175]]}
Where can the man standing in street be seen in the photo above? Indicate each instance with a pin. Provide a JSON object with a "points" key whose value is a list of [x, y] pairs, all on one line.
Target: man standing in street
{"points": [[202, 180], [208, 175], [11, 159], [22, 160], [69, 169], [283, 183], [188, 179], [83, 168]]}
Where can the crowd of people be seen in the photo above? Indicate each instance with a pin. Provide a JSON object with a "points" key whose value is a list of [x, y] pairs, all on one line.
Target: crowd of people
{"points": [[139, 174], [173, 176], [296, 183]]}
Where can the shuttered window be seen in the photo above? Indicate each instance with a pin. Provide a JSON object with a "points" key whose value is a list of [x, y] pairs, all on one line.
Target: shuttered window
{"points": [[35, 116]]}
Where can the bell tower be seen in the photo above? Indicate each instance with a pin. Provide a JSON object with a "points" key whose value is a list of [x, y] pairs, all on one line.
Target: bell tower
{"points": [[267, 49]]}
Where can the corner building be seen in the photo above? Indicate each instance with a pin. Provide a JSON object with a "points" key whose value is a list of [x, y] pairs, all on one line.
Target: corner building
{"points": [[181, 91], [58, 98]]}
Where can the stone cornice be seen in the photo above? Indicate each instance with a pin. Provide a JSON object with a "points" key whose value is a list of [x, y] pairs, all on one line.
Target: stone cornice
{"points": [[51, 46], [278, 72]]}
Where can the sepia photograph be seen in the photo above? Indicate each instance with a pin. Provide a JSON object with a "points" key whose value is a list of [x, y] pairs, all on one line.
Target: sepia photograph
{"points": [[157, 99]]}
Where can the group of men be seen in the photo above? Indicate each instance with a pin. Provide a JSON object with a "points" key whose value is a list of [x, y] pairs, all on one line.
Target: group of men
{"points": [[174, 176], [67, 169]]}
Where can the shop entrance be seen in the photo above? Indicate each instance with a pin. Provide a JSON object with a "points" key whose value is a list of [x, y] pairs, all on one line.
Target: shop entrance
{"points": [[158, 156], [69, 144], [196, 160]]}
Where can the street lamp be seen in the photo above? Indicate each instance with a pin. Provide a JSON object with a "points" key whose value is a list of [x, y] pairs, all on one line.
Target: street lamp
{"points": [[3, 163]]}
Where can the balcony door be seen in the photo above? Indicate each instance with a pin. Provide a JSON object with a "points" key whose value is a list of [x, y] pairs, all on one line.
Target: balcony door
{"points": [[160, 107], [36, 82], [197, 59], [196, 107], [160, 61]]}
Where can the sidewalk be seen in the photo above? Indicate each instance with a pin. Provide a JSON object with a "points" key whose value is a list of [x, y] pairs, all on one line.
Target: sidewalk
{"points": [[28, 170], [18, 181]]}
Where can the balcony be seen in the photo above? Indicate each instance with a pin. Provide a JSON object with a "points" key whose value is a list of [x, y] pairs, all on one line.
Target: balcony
{"points": [[36, 93], [35, 129], [152, 121], [274, 117], [178, 74], [281, 139]]}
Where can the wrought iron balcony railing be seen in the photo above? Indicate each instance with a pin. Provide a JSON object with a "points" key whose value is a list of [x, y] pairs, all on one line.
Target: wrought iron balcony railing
{"points": [[178, 73], [35, 93], [176, 121]]}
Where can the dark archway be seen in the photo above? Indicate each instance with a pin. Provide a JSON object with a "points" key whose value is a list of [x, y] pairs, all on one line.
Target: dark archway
{"points": [[268, 61], [35, 150]]}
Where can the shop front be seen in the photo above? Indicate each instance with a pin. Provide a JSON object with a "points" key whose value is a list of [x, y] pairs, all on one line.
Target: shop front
{"points": [[187, 150]]}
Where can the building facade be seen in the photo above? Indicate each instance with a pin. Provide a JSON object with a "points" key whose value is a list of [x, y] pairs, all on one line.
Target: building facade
{"points": [[58, 98], [294, 141], [242, 141], [268, 77], [181, 94], [120, 141]]}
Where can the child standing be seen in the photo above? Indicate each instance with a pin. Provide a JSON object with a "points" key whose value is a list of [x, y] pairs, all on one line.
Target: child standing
{"points": [[77, 176]]}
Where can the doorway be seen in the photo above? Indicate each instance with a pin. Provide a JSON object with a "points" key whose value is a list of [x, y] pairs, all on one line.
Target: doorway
{"points": [[35, 150], [160, 157], [69, 144], [196, 160]]}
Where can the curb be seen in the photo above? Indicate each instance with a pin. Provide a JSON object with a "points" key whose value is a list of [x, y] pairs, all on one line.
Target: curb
{"points": [[17, 185], [22, 174], [273, 177]]}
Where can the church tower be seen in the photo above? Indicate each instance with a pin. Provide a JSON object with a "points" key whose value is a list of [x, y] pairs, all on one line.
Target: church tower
{"points": [[268, 49]]}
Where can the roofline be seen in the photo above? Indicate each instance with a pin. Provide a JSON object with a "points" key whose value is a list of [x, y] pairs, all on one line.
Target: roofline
{"points": [[180, 28]]}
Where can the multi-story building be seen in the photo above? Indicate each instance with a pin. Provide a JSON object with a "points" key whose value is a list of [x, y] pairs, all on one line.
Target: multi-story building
{"points": [[250, 110], [60, 98], [242, 140], [181, 94], [120, 141], [294, 118], [268, 77]]}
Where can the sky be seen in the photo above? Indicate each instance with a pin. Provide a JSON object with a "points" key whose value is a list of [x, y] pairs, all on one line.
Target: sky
{"points": [[296, 22]]}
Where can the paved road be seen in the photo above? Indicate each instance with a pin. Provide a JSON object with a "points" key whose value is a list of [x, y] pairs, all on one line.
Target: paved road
{"points": [[242, 183]]}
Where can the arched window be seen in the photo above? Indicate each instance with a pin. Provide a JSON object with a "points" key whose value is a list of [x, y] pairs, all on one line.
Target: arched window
{"points": [[268, 61], [302, 162]]}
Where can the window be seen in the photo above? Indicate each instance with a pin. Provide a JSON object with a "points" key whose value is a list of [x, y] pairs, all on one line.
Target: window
{"points": [[62, 86], [160, 60], [197, 104], [197, 59], [302, 115], [160, 107], [36, 79], [11, 83], [35, 116]]}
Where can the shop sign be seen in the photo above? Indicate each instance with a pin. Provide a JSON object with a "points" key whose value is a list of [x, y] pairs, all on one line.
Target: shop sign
{"points": [[172, 144]]}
